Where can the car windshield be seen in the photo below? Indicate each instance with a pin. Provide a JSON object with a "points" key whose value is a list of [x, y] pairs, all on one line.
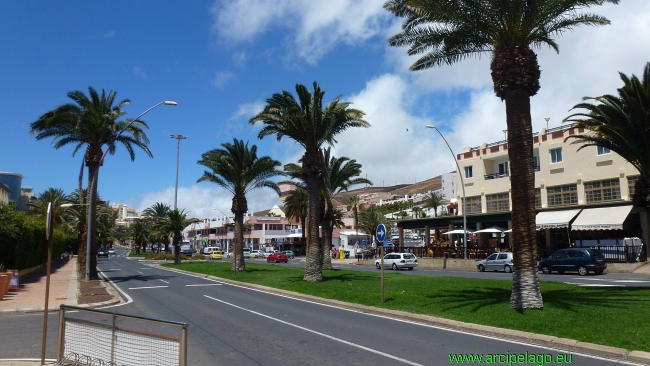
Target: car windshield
{"points": [[409, 256], [595, 253]]}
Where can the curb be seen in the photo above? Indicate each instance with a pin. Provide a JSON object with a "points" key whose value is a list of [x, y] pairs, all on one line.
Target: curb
{"points": [[563, 344]]}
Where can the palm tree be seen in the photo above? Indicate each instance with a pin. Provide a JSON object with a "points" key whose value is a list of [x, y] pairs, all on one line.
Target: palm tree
{"points": [[56, 196], [449, 31], [370, 218], [353, 204], [296, 206], [174, 224], [311, 124], [434, 200], [340, 174], [239, 170], [91, 121], [154, 214], [140, 234], [622, 124]]}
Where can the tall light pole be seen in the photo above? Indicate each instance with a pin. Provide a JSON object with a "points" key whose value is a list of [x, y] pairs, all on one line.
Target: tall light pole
{"points": [[178, 154], [547, 119], [93, 184], [462, 183]]}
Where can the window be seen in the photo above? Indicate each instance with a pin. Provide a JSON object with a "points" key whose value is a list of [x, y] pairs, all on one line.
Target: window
{"points": [[468, 172], [536, 163], [603, 150], [556, 155], [602, 191], [503, 168], [473, 204], [538, 198], [566, 195], [497, 202], [631, 182]]}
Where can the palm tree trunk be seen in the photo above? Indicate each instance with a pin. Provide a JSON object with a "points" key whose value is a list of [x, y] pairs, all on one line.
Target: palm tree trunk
{"points": [[313, 269], [525, 285], [327, 229], [239, 240], [177, 248]]}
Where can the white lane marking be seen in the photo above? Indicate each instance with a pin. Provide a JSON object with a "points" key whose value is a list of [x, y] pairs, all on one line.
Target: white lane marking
{"points": [[114, 269], [165, 281], [140, 272], [139, 288], [320, 334], [124, 294], [590, 279], [206, 284], [146, 268], [631, 281]]}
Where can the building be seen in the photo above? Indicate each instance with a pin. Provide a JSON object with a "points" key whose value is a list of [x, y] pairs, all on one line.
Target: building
{"points": [[4, 194], [583, 197], [14, 191], [125, 215]]}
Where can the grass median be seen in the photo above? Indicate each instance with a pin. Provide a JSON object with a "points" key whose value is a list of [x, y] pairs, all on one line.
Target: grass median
{"points": [[613, 316]]}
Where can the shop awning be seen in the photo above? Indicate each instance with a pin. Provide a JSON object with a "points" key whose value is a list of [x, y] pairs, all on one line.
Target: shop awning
{"points": [[554, 219], [604, 218]]}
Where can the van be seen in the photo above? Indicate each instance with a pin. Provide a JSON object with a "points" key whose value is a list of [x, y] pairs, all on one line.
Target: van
{"points": [[247, 252], [209, 250]]}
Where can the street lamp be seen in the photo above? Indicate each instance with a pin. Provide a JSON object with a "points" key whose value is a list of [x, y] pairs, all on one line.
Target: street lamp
{"points": [[547, 119], [462, 183], [178, 152], [93, 184]]}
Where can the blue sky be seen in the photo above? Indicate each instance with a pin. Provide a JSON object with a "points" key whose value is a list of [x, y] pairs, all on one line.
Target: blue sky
{"points": [[219, 60]]}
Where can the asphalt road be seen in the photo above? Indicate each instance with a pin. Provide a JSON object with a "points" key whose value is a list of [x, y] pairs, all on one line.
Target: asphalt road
{"points": [[235, 325]]}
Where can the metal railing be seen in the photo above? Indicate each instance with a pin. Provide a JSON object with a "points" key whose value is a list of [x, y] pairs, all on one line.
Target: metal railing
{"points": [[98, 337], [613, 254]]}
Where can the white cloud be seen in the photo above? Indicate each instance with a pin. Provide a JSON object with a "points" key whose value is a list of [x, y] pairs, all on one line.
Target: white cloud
{"points": [[139, 71], [109, 35], [200, 200], [221, 78], [314, 27]]}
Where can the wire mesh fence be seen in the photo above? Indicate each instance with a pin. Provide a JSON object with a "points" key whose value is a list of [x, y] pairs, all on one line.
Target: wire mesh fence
{"points": [[88, 337]]}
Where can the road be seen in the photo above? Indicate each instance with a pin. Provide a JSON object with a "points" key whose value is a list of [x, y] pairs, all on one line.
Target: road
{"points": [[235, 325]]}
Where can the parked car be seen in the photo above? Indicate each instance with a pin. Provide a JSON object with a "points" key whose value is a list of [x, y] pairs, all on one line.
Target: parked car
{"points": [[102, 252], [581, 260], [277, 257], [216, 254], [496, 262], [289, 254], [111, 251], [187, 252], [247, 253], [257, 254], [398, 260]]}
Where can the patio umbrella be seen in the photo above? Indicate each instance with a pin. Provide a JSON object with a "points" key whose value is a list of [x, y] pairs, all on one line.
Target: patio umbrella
{"points": [[508, 231], [493, 229], [458, 231]]}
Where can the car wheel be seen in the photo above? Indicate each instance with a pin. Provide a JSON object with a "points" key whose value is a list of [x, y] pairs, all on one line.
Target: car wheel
{"points": [[546, 270], [599, 272], [378, 265], [583, 271], [394, 267], [410, 268], [277, 261], [507, 269], [481, 268]]}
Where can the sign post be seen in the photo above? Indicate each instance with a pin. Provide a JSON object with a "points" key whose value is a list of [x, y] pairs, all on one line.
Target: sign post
{"points": [[381, 237]]}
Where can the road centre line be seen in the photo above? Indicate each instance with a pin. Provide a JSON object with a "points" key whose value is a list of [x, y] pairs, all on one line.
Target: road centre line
{"points": [[205, 284], [165, 281], [320, 334], [140, 272], [139, 288], [630, 281], [114, 269], [403, 320], [147, 268]]}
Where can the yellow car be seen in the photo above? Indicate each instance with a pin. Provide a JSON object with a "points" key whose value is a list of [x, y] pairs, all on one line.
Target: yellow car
{"points": [[216, 255]]}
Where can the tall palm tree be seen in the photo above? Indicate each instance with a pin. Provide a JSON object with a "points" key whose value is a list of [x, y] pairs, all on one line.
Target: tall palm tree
{"points": [[434, 200], [153, 214], [370, 218], [353, 204], [340, 175], [91, 121], [140, 234], [447, 32], [239, 170], [296, 206], [621, 123], [174, 224], [311, 124]]}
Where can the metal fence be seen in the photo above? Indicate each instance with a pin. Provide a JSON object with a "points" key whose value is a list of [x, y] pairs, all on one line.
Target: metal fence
{"points": [[98, 337], [613, 254]]}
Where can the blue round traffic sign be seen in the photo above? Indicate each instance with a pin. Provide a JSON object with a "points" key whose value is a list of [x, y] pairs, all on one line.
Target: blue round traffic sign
{"points": [[381, 233]]}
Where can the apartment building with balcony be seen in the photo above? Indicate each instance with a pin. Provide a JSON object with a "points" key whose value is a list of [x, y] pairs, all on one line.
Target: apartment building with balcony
{"points": [[582, 197]]}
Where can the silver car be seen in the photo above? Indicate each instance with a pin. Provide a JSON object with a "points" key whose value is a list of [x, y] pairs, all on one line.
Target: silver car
{"points": [[496, 262], [398, 260]]}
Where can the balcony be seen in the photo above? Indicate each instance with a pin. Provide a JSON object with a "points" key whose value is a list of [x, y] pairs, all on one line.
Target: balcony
{"points": [[496, 175]]}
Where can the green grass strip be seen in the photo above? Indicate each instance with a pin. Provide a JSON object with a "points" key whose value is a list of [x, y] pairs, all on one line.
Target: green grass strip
{"points": [[613, 316]]}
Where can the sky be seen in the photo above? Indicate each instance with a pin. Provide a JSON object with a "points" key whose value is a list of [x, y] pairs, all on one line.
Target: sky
{"points": [[220, 61]]}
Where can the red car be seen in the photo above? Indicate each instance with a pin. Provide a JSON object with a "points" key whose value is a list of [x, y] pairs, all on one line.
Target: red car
{"points": [[278, 257]]}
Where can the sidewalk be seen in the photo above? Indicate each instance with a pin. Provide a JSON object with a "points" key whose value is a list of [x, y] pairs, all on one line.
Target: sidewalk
{"points": [[31, 296]]}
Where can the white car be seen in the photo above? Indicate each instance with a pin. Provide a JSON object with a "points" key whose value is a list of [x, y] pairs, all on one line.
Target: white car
{"points": [[398, 260], [496, 262], [257, 254], [111, 251]]}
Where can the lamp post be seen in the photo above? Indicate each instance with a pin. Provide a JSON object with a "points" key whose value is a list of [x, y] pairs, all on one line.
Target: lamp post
{"points": [[93, 184], [547, 119], [178, 153], [462, 183]]}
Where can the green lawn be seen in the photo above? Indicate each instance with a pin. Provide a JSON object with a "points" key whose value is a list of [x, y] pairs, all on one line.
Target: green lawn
{"points": [[613, 316]]}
